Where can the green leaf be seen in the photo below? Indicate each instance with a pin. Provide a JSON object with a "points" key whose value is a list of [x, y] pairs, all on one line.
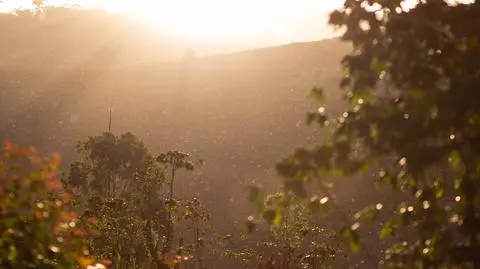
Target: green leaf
{"points": [[346, 81], [353, 238], [355, 241], [286, 169], [297, 187], [417, 93], [373, 131], [366, 214], [439, 190], [318, 95], [454, 158], [316, 117], [336, 172], [269, 216], [314, 206], [189, 213], [279, 213], [387, 230], [378, 66], [364, 168], [254, 194]]}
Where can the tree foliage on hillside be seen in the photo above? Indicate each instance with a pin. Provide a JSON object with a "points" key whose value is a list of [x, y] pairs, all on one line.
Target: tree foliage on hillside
{"points": [[413, 122], [173, 160], [124, 187], [296, 241], [54, 33], [120, 184]]}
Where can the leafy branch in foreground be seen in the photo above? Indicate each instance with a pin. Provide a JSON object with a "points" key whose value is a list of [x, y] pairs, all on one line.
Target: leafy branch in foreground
{"points": [[413, 120], [37, 227]]}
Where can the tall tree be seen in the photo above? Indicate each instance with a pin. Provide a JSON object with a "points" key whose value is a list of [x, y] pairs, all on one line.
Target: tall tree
{"points": [[174, 160], [122, 182], [196, 217], [412, 83]]}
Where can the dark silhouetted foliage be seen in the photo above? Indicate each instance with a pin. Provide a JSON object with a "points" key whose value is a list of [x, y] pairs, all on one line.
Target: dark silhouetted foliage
{"points": [[412, 83]]}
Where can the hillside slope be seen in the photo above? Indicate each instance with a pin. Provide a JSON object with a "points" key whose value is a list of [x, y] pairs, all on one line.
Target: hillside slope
{"points": [[239, 112]]}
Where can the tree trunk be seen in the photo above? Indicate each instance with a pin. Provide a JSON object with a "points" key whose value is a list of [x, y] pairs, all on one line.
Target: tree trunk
{"points": [[168, 241]]}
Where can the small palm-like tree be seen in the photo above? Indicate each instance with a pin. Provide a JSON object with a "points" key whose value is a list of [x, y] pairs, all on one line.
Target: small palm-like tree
{"points": [[174, 160]]}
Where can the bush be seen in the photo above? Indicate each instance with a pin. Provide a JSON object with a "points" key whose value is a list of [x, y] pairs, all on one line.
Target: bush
{"points": [[37, 229]]}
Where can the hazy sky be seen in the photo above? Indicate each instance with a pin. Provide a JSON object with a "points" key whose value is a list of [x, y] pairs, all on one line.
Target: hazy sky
{"points": [[248, 21]]}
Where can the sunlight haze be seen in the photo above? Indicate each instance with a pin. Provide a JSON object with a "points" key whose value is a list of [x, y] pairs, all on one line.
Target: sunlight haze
{"points": [[241, 24]]}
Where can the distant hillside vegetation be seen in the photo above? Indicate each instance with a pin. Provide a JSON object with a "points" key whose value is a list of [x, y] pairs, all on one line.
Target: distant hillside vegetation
{"points": [[66, 36]]}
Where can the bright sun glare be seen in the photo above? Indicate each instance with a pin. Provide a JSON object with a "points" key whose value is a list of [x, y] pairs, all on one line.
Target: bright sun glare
{"points": [[224, 21], [207, 19], [233, 20], [211, 18]]}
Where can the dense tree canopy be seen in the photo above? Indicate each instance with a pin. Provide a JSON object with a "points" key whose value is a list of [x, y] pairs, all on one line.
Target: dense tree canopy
{"points": [[123, 186], [413, 123], [120, 185]]}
